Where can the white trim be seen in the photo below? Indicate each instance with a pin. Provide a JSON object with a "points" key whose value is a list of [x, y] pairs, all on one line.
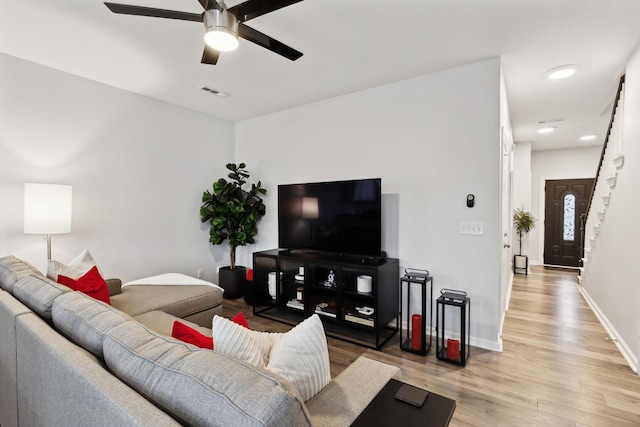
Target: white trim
{"points": [[473, 341], [628, 355]]}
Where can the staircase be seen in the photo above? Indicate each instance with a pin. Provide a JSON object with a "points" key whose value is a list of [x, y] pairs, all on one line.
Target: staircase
{"points": [[611, 161]]}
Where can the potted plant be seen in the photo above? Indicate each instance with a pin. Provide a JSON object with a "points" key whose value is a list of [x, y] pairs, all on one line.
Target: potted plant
{"points": [[523, 222], [233, 214]]}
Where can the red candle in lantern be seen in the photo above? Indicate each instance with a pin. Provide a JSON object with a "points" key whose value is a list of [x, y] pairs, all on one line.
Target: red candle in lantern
{"points": [[416, 332], [453, 349]]}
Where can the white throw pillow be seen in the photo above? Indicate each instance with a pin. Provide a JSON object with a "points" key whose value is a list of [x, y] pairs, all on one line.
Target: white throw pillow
{"points": [[236, 341], [301, 355], [75, 269]]}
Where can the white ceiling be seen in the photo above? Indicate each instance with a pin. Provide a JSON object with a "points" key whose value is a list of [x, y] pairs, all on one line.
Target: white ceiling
{"points": [[348, 45]]}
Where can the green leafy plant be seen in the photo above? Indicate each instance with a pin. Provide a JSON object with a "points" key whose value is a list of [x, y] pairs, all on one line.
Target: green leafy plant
{"points": [[233, 212], [523, 222]]}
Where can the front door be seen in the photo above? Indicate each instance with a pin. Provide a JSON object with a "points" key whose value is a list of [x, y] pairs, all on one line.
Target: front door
{"points": [[565, 201]]}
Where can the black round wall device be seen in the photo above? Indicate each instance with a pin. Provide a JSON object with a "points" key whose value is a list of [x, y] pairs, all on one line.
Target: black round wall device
{"points": [[470, 200]]}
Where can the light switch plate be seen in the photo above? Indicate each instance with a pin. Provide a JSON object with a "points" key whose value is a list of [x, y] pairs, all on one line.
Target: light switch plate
{"points": [[472, 228]]}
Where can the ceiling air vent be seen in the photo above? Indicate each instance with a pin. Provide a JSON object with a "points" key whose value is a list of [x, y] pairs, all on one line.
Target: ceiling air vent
{"points": [[215, 92]]}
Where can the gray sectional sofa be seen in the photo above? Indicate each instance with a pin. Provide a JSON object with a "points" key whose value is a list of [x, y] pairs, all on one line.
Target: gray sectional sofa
{"points": [[69, 360]]}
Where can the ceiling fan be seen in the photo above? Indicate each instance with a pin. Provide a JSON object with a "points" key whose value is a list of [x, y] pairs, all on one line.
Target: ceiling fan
{"points": [[222, 25]]}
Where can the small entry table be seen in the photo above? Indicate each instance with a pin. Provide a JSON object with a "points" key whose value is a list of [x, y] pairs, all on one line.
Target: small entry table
{"points": [[385, 410]]}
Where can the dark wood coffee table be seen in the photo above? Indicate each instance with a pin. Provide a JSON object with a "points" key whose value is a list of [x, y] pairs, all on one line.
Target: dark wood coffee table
{"points": [[386, 410]]}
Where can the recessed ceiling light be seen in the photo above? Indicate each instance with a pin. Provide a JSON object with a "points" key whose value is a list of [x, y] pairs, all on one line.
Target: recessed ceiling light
{"points": [[561, 72], [546, 130], [587, 137]]}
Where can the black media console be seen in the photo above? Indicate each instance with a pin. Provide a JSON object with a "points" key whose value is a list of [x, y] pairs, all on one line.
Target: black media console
{"points": [[334, 286]]}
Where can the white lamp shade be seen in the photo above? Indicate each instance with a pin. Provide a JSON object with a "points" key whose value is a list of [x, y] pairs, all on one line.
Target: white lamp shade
{"points": [[47, 208]]}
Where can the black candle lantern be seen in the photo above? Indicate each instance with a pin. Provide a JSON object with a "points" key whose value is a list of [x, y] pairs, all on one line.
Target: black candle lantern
{"points": [[415, 333], [456, 350]]}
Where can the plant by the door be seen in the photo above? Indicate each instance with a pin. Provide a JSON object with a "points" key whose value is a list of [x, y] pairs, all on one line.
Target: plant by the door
{"points": [[523, 222], [233, 214]]}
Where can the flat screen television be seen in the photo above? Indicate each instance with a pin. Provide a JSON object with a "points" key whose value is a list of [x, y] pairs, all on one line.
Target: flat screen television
{"points": [[342, 217]]}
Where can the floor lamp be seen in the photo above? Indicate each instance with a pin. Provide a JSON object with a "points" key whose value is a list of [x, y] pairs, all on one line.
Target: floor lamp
{"points": [[47, 210]]}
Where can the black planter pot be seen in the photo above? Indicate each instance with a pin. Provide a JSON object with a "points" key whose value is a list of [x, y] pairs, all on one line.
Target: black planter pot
{"points": [[232, 281]]}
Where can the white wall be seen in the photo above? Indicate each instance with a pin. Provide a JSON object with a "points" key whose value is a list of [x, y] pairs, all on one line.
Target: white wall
{"points": [[138, 168], [611, 279], [555, 164], [433, 140]]}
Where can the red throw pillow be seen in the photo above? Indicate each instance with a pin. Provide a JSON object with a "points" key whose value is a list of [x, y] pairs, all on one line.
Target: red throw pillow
{"points": [[240, 320], [91, 284], [191, 336]]}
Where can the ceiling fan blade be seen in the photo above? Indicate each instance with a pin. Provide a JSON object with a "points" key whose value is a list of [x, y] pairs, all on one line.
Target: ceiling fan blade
{"points": [[254, 8], [210, 55], [127, 9], [267, 42]]}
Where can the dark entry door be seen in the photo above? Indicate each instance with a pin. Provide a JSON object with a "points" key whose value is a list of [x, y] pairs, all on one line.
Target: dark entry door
{"points": [[565, 201]]}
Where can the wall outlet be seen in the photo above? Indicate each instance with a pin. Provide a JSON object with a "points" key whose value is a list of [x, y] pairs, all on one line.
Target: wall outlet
{"points": [[200, 273], [472, 228]]}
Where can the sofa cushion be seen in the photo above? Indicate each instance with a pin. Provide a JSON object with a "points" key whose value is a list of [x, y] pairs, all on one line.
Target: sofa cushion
{"points": [[180, 301], [38, 292], [162, 323], [351, 391], [76, 268], [200, 387], [300, 355], [62, 385], [85, 321], [13, 269], [91, 283]]}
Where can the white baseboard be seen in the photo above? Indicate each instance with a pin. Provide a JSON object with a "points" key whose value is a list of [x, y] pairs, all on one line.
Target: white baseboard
{"points": [[628, 355], [475, 342]]}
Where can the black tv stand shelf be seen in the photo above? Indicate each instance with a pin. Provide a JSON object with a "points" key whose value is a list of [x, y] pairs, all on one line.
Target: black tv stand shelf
{"points": [[329, 287], [330, 256]]}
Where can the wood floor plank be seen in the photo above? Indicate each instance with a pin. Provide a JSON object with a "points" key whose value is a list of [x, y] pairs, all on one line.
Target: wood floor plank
{"points": [[557, 369]]}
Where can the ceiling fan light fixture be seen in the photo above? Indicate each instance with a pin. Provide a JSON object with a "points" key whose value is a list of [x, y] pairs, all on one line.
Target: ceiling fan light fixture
{"points": [[221, 30]]}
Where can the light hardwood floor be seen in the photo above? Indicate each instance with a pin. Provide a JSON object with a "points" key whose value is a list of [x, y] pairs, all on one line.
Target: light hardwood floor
{"points": [[557, 368]]}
